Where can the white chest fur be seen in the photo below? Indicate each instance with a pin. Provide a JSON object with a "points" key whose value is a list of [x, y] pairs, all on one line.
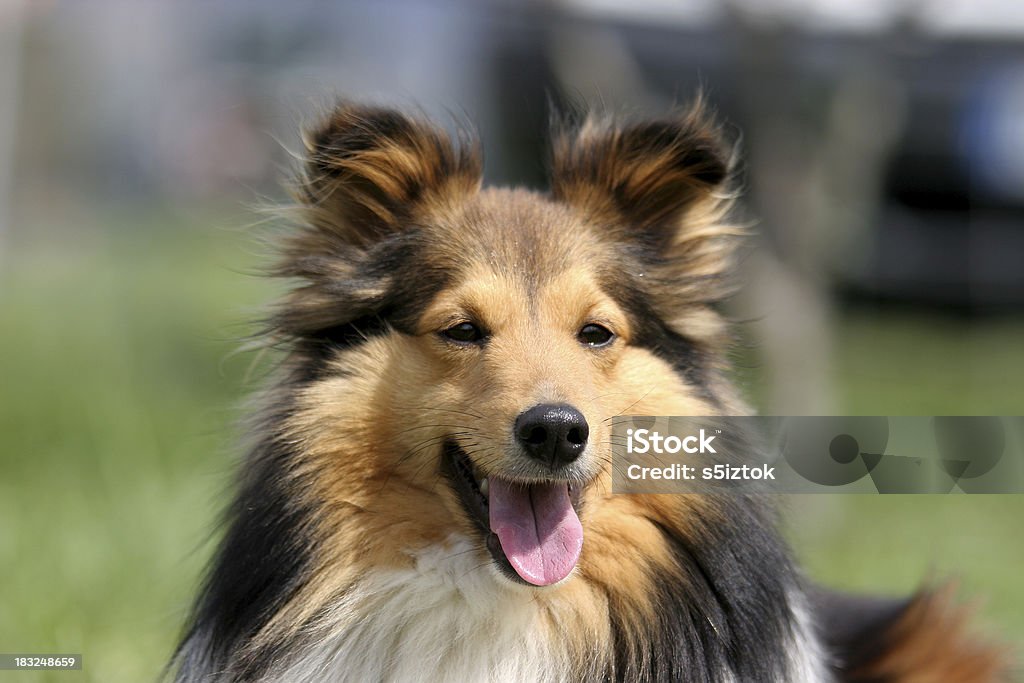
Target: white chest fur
{"points": [[450, 618]]}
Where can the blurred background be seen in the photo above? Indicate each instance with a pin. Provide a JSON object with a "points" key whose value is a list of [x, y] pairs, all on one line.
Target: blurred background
{"points": [[883, 148]]}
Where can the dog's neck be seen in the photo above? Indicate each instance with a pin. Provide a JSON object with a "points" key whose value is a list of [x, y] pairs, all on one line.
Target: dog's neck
{"points": [[453, 617], [448, 618]]}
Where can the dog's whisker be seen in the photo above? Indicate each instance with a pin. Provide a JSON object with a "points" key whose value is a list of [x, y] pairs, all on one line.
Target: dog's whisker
{"points": [[629, 407], [464, 428]]}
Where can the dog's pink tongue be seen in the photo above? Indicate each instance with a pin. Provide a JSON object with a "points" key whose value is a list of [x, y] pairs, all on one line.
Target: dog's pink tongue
{"points": [[539, 531]]}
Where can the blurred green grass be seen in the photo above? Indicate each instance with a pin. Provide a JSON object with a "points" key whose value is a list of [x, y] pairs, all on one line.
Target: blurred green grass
{"points": [[893, 363], [118, 392]]}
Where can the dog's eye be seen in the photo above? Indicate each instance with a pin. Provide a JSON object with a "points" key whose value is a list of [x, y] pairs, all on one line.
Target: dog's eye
{"points": [[464, 333], [595, 335]]}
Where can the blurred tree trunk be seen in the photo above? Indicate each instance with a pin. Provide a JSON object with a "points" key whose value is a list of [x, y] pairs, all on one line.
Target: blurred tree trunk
{"points": [[815, 162], [12, 16]]}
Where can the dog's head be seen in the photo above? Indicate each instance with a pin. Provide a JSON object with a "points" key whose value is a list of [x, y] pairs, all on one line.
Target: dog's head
{"points": [[460, 351]]}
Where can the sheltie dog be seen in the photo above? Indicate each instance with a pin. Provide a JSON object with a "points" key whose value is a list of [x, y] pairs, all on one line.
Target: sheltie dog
{"points": [[428, 494]]}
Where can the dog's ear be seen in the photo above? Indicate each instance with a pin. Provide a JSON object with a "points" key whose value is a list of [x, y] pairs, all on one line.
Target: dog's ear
{"points": [[369, 177], [642, 180], [370, 170], [660, 190]]}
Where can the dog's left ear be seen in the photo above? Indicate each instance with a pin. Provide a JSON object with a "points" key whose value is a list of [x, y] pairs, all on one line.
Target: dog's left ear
{"points": [[369, 171], [642, 180], [370, 175]]}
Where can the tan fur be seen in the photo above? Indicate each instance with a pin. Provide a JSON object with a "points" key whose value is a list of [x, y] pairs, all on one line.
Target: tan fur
{"points": [[934, 642]]}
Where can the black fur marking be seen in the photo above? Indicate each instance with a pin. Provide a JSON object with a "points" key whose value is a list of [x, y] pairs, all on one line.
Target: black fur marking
{"points": [[855, 628], [700, 152], [352, 333], [651, 332], [724, 609], [314, 353], [262, 560], [656, 336], [361, 133], [352, 319]]}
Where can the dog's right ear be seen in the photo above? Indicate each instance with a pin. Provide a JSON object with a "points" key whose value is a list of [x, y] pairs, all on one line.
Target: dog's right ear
{"points": [[660, 188], [369, 171], [646, 180]]}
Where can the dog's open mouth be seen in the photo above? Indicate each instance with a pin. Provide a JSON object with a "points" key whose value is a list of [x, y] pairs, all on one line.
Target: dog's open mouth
{"points": [[532, 531]]}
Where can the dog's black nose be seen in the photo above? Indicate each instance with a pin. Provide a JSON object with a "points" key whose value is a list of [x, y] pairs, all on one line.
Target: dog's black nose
{"points": [[553, 434]]}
